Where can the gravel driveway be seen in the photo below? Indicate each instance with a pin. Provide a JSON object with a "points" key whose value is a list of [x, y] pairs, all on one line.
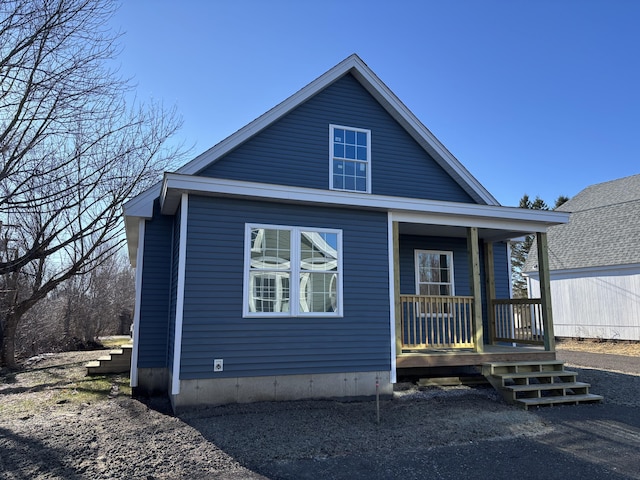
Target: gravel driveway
{"points": [[435, 433]]}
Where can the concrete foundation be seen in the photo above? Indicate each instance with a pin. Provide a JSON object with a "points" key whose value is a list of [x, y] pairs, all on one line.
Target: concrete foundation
{"points": [[221, 391], [152, 381]]}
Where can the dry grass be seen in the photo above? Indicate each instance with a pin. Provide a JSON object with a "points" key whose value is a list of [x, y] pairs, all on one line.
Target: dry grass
{"points": [[611, 347]]}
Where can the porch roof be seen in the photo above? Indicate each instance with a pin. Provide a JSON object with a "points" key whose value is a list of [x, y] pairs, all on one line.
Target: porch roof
{"points": [[416, 216]]}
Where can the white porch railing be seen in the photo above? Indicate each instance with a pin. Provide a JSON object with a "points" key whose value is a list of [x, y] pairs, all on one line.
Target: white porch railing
{"points": [[518, 320]]}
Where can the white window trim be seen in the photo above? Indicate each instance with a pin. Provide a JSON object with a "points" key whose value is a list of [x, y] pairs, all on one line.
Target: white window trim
{"points": [[294, 279], [332, 127], [448, 253]]}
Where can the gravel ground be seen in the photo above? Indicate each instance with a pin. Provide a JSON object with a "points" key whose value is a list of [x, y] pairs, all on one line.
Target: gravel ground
{"points": [[47, 431]]}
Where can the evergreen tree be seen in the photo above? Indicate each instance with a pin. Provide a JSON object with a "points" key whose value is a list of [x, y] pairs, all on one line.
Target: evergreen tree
{"points": [[520, 249]]}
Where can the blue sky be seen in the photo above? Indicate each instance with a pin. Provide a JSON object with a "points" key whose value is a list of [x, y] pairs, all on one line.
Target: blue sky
{"points": [[539, 97]]}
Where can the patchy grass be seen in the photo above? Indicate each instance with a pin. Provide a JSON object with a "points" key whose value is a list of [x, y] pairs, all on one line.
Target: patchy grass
{"points": [[51, 383]]}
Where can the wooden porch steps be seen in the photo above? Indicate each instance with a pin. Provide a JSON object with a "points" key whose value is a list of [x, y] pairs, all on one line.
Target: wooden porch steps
{"points": [[117, 361], [537, 383]]}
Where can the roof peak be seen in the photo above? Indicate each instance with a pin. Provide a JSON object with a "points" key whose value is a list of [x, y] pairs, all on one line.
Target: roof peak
{"points": [[355, 66]]}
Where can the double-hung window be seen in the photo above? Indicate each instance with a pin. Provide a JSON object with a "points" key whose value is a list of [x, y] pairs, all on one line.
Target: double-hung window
{"points": [[350, 163], [434, 273], [292, 271]]}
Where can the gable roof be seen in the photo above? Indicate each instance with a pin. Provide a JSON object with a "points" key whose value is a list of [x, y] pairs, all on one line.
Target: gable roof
{"points": [[603, 230], [364, 75]]}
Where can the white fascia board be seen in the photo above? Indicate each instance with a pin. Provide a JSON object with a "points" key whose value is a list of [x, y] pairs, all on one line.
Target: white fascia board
{"points": [[404, 209], [372, 83]]}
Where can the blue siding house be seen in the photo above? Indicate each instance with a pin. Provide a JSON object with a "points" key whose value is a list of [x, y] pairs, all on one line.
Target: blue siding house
{"points": [[321, 251]]}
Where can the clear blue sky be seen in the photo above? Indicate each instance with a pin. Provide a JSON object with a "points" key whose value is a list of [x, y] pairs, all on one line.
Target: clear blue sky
{"points": [[539, 97]]}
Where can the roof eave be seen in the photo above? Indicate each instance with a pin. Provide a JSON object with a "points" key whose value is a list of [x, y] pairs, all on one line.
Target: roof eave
{"points": [[406, 209]]}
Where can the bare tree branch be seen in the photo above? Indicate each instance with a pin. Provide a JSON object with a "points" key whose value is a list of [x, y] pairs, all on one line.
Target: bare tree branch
{"points": [[72, 148]]}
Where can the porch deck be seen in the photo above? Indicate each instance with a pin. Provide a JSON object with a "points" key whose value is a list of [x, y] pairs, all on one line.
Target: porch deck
{"points": [[457, 357]]}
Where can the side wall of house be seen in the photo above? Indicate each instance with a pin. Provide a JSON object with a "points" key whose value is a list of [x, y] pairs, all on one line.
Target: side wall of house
{"points": [[598, 304], [155, 304], [295, 150]]}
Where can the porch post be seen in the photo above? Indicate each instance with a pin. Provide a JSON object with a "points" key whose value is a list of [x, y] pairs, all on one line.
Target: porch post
{"points": [[473, 251], [490, 288], [396, 286], [545, 292]]}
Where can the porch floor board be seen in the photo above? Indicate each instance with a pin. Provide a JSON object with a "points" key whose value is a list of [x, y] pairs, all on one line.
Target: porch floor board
{"points": [[467, 357]]}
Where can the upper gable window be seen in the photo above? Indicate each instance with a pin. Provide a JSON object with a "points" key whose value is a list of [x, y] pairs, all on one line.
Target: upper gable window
{"points": [[350, 164]]}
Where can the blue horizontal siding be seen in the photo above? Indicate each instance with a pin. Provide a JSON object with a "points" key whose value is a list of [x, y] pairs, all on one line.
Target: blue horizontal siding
{"points": [[295, 149], [213, 324], [155, 294]]}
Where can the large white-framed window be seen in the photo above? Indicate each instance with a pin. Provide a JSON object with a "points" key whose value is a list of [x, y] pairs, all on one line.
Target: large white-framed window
{"points": [[434, 273], [292, 271], [350, 159]]}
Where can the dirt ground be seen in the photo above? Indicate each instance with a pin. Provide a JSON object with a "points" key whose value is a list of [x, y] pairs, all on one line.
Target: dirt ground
{"points": [[55, 422]]}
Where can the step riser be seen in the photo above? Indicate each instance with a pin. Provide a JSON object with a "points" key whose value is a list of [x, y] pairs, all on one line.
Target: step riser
{"points": [[537, 383]]}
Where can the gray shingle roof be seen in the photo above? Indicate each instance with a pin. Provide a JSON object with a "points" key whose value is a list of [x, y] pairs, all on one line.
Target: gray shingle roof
{"points": [[604, 228]]}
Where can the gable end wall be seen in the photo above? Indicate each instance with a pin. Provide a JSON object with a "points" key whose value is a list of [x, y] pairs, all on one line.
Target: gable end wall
{"points": [[295, 150]]}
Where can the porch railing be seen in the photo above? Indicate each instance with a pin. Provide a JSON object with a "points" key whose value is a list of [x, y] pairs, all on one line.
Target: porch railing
{"points": [[518, 320], [433, 322]]}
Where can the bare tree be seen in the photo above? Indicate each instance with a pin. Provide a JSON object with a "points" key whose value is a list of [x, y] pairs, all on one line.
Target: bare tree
{"points": [[72, 149]]}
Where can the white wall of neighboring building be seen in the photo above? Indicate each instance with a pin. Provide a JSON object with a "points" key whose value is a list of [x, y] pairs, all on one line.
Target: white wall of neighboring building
{"points": [[600, 302]]}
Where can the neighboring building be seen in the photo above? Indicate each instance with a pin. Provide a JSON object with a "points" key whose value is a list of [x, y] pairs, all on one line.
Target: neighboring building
{"points": [[595, 263], [321, 251]]}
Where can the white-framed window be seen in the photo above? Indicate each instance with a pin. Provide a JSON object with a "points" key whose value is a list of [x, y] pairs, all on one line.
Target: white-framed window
{"points": [[292, 271], [434, 272], [350, 159]]}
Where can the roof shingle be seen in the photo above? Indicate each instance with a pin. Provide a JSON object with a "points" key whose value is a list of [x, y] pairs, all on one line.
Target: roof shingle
{"points": [[604, 228]]}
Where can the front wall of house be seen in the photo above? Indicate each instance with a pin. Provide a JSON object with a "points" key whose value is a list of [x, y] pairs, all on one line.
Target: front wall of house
{"points": [[295, 150], [214, 327]]}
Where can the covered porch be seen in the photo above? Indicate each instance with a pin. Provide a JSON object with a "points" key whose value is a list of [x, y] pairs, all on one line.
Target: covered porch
{"points": [[482, 323]]}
